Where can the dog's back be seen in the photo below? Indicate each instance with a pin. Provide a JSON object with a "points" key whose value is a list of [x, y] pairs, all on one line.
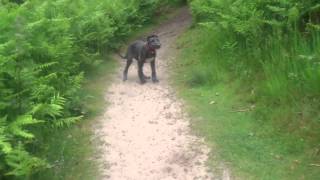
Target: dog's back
{"points": [[135, 49]]}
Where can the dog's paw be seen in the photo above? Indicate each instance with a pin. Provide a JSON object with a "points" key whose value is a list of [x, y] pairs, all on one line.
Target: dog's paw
{"points": [[124, 79], [155, 80], [143, 82]]}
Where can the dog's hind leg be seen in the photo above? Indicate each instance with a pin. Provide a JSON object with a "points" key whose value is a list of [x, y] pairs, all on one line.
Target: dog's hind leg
{"points": [[125, 72]]}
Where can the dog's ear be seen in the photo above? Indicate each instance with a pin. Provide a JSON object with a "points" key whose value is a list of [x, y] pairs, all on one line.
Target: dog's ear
{"points": [[151, 36]]}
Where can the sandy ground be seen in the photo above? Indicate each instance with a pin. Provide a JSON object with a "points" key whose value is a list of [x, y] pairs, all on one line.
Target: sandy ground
{"points": [[145, 132]]}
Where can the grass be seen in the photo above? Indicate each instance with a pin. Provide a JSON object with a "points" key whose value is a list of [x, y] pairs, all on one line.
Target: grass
{"points": [[269, 142], [71, 151]]}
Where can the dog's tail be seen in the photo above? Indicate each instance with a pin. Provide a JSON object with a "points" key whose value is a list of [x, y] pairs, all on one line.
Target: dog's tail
{"points": [[123, 57]]}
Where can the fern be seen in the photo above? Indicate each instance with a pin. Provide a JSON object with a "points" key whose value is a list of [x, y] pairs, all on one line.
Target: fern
{"points": [[46, 48], [45, 66], [54, 109], [66, 122], [4, 140], [22, 163], [17, 126]]}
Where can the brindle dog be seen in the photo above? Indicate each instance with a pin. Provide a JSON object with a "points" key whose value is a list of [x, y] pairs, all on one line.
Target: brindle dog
{"points": [[143, 52]]}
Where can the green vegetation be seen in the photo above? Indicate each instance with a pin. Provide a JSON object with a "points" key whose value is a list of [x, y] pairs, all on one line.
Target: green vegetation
{"points": [[75, 157], [71, 151], [250, 70], [251, 73], [47, 50]]}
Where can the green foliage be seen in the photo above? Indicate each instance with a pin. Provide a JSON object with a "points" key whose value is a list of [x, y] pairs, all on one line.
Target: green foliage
{"points": [[46, 48], [22, 163], [259, 141], [16, 127], [275, 43], [268, 37], [270, 50]]}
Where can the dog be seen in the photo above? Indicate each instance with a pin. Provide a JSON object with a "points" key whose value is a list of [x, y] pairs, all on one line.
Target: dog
{"points": [[143, 52]]}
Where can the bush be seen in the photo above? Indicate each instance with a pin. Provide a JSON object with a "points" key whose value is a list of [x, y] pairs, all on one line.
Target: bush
{"points": [[277, 42], [46, 48], [273, 49], [264, 55]]}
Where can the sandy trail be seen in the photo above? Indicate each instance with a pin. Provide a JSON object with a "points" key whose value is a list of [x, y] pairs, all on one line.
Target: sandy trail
{"points": [[146, 133]]}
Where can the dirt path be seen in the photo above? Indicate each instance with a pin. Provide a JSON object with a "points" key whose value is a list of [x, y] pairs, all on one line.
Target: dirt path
{"points": [[147, 134]]}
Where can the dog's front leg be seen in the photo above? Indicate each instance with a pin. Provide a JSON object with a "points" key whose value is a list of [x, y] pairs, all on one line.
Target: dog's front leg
{"points": [[140, 72], [154, 73]]}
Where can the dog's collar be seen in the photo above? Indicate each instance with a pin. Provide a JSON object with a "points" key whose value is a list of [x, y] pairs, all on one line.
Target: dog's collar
{"points": [[150, 49]]}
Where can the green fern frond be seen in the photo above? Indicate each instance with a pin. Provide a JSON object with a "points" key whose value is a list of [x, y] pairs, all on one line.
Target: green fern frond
{"points": [[4, 144], [54, 109], [4, 140], [276, 9], [37, 109], [41, 110], [58, 100], [36, 24], [66, 122], [16, 127], [22, 163], [56, 106], [45, 66]]}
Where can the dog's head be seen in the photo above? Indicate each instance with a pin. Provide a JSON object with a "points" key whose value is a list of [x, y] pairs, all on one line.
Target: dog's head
{"points": [[154, 42]]}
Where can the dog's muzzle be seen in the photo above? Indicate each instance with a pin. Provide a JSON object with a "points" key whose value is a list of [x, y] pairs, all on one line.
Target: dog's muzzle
{"points": [[157, 46]]}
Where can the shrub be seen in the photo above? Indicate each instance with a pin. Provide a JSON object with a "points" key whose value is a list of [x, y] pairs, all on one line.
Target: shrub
{"points": [[46, 48], [268, 39]]}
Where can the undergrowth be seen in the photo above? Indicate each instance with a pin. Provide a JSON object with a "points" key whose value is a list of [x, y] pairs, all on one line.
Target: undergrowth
{"points": [[47, 51], [250, 70], [256, 140]]}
